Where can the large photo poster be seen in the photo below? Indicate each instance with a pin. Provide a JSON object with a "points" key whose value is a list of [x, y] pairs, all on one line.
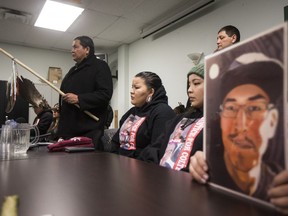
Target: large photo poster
{"points": [[245, 127]]}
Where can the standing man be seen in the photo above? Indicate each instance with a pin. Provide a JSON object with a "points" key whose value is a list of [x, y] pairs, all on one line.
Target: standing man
{"points": [[89, 85], [227, 36]]}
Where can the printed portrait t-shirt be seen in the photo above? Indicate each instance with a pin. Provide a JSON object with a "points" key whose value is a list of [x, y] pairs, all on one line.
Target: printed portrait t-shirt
{"points": [[181, 142], [128, 132]]}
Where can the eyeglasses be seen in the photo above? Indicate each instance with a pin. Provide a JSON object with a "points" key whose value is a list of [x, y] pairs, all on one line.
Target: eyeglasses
{"points": [[252, 110]]}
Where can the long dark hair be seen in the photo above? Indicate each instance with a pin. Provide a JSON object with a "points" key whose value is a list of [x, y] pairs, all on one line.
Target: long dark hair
{"points": [[152, 80]]}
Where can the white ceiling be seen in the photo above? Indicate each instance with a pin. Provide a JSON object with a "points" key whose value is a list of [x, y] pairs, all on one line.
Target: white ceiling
{"points": [[110, 23]]}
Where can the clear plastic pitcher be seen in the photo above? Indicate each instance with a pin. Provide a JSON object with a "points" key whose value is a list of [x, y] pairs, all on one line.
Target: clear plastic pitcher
{"points": [[21, 138], [6, 140], [15, 139]]}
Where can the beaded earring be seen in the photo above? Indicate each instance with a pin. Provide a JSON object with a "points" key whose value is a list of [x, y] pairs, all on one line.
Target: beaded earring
{"points": [[148, 99]]}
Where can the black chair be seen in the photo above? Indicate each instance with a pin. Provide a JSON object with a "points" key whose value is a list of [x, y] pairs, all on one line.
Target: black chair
{"points": [[107, 137]]}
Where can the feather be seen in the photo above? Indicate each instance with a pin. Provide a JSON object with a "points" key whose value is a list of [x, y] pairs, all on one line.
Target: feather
{"points": [[29, 92], [11, 89], [10, 102]]}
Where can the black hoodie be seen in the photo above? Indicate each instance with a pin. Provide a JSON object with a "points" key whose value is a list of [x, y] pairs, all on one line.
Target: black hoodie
{"points": [[141, 126], [192, 114]]}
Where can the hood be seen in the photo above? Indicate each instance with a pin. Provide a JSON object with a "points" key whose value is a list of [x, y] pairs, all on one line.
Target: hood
{"points": [[159, 96]]}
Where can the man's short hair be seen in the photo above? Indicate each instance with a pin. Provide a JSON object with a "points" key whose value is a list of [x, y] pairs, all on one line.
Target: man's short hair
{"points": [[254, 68], [231, 30]]}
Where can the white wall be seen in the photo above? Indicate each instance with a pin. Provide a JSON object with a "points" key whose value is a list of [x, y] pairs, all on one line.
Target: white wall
{"points": [[167, 55], [39, 61]]}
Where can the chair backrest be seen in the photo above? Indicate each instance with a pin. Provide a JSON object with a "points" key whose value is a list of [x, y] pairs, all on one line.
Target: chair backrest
{"points": [[107, 137]]}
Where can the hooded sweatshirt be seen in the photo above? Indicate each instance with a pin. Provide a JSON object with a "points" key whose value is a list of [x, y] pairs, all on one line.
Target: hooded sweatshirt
{"points": [[141, 126], [183, 136]]}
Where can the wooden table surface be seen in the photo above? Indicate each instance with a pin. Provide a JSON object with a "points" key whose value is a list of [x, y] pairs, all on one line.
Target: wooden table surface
{"points": [[98, 183]]}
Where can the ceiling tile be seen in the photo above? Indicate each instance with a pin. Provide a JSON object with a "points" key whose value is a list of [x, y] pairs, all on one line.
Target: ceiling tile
{"points": [[115, 7], [109, 22], [91, 23], [121, 30]]}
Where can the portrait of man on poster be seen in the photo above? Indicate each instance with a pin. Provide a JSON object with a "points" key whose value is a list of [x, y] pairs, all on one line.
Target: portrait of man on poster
{"points": [[250, 112]]}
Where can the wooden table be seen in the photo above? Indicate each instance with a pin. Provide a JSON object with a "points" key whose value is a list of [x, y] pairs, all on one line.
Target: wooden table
{"points": [[98, 183]]}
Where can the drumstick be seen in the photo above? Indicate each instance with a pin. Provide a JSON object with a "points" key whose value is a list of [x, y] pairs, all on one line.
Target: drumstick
{"points": [[44, 80]]}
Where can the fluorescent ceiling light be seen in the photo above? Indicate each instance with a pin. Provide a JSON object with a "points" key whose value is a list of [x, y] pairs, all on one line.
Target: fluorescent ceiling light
{"points": [[57, 16]]}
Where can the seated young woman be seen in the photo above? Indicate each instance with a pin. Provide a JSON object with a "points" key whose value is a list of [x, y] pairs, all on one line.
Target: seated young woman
{"points": [[141, 125], [184, 134]]}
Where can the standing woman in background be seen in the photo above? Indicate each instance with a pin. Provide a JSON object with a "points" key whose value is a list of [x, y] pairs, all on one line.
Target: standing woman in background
{"points": [[89, 85], [142, 124], [54, 125], [43, 119]]}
